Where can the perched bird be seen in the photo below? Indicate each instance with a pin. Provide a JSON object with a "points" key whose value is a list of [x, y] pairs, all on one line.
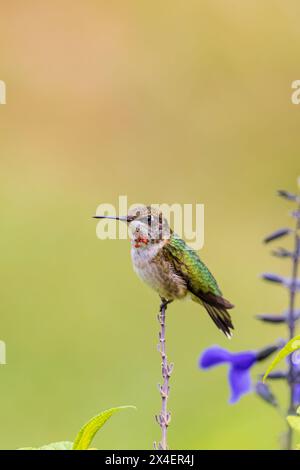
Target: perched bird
{"points": [[173, 269]]}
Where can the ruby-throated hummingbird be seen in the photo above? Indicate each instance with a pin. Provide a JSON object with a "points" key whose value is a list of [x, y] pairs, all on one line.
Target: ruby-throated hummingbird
{"points": [[173, 269]]}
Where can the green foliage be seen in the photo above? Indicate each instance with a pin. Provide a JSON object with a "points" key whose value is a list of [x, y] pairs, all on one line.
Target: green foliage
{"points": [[86, 434], [292, 346], [288, 349], [294, 422], [62, 445]]}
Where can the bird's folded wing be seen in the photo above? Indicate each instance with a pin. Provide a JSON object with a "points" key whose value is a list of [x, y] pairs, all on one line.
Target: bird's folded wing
{"points": [[199, 279]]}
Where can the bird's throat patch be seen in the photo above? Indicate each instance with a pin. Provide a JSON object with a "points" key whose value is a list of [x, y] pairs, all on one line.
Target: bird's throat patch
{"points": [[140, 241]]}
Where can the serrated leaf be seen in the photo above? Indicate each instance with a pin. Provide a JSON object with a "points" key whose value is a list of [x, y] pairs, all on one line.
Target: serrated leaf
{"points": [[89, 430], [62, 445], [288, 349], [27, 448], [294, 422]]}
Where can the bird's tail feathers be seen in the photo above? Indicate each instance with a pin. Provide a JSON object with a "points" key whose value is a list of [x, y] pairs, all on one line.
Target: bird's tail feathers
{"points": [[221, 318], [217, 307]]}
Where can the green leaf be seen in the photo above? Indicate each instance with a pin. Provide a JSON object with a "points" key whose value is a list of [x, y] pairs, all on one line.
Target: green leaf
{"points": [[289, 348], [28, 448], [63, 445], [87, 433], [294, 422]]}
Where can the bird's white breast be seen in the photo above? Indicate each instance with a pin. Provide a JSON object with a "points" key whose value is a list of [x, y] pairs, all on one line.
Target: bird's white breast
{"points": [[142, 258], [161, 277]]}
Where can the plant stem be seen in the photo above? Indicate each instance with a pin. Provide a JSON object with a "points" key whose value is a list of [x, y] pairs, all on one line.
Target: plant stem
{"points": [[164, 417], [291, 325]]}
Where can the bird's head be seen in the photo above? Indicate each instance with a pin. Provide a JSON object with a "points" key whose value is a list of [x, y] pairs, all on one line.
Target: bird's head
{"points": [[146, 225]]}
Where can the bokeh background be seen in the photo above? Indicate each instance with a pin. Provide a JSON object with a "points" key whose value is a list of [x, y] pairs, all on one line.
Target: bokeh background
{"points": [[164, 102]]}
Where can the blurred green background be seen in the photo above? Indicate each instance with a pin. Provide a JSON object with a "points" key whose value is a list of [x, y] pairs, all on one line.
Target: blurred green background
{"points": [[165, 102]]}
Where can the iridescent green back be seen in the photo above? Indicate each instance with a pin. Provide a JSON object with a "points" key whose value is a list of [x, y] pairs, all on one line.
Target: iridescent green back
{"points": [[187, 262]]}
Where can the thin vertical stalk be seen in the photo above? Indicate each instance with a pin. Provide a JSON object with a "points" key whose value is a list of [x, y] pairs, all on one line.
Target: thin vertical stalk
{"points": [[164, 417], [291, 326]]}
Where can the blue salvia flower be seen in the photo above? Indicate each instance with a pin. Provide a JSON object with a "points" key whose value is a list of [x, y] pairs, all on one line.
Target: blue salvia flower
{"points": [[240, 363], [296, 394], [296, 386], [239, 366]]}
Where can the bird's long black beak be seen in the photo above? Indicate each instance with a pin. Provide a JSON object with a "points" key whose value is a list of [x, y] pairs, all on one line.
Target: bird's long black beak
{"points": [[118, 217]]}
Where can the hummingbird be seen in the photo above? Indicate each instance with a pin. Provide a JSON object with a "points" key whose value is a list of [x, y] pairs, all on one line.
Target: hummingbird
{"points": [[168, 265]]}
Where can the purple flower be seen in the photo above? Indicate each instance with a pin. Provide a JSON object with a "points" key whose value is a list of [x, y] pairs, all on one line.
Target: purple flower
{"points": [[296, 394], [294, 359], [239, 366]]}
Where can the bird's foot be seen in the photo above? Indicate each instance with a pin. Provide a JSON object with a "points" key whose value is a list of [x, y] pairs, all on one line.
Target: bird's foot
{"points": [[164, 304]]}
